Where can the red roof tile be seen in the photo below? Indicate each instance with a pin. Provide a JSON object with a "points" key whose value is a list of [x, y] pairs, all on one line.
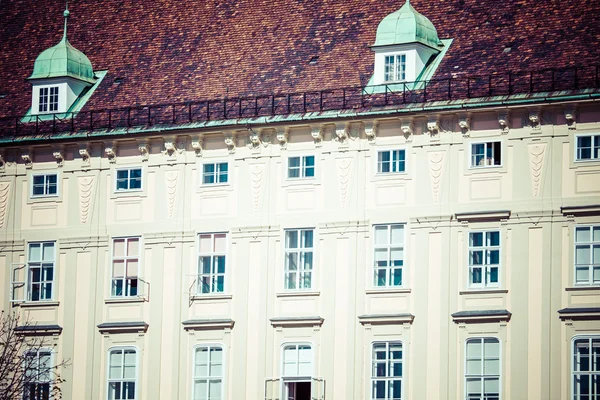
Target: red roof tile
{"points": [[168, 51]]}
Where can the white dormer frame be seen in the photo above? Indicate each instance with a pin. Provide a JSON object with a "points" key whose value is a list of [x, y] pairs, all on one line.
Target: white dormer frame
{"points": [[69, 90], [416, 55]]}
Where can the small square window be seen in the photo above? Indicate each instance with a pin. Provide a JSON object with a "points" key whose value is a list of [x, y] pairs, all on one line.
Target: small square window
{"points": [[215, 173], [588, 148], [48, 99], [391, 161], [487, 154], [43, 185], [301, 167], [395, 68], [129, 179]]}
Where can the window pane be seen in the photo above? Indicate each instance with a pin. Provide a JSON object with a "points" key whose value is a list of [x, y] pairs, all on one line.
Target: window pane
{"points": [[307, 239], [491, 367], [381, 235], [292, 261], [474, 367], [597, 230], [397, 234], [582, 274], [132, 247], [582, 254], [309, 161], [291, 239], [491, 386], [474, 349], [220, 243], [48, 249], [294, 162], [132, 268], [215, 390], [582, 234], [476, 258], [118, 269], [205, 244], [476, 239], [201, 362], [494, 257], [35, 252]]}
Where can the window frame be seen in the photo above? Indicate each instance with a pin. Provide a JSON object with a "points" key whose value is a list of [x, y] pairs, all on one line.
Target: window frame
{"points": [[47, 98], [41, 281], [389, 268], [574, 339], [395, 64], [484, 266], [387, 378], [208, 378], [212, 274], [49, 370], [483, 376], [486, 142], [302, 167], [126, 258], [216, 173], [45, 185], [122, 379], [286, 379], [591, 243], [299, 277], [116, 189], [576, 159], [404, 162]]}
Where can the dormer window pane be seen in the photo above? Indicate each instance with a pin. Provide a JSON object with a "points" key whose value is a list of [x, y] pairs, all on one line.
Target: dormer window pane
{"points": [[43, 100], [54, 98], [48, 99], [395, 68]]}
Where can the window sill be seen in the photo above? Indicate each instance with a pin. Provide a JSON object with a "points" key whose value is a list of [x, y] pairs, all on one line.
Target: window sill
{"points": [[298, 294], [391, 176], [484, 167], [483, 291], [117, 300], [39, 304], [128, 194], [582, 288], [300, 182], [209, 296], [388, 290]]}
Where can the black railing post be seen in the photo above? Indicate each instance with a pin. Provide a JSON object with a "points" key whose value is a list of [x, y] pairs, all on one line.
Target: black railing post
{"points": [[190, 111], [256, 106], [208, 110], [469, 87], [129, 117], [490, 85], [109, 119], [553, 80], [16, 126], [72, 122], [576, 82], [424, 90], [404, 93], [509, 83], [240, 107], [91, 120], [289, 104], [385, 96], [272, 104], [173, 114], [149, 116], [530, 81], [320, 101], [224, 108], [53, 123], [449, 88], [37, 128], [597, 76], [304, 101]]}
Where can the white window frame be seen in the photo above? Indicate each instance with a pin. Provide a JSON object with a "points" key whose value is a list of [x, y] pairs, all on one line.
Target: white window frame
{"points": [[387, 378], [574, 358], [399, 60], [46, 185], [485, 266], [128, 180], [209, 377], [126, 282], [39, 377], [393, 163], [302, 168], [482, 375], [300, 273], [287, 381], [590, 265], [389, 269], [489, 162], [594, 137], [46, 99], [43, 264], [122, 380], [214, 274], [215, 174]]}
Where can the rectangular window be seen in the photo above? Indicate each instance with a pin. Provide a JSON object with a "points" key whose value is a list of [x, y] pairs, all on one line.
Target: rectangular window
{"points": [[587, 255], [388, 254], [297, 372], [129, 179], [48, 100], [211, 263], [386, 371], [301, 167], [298, 259], [214, 173], [125, 267], [391, 161], [486, 154], [586, 368], [44, 185], [53, 103], [38, 370], [484, 259], [588, 147], [40, 268], [122, 374], [395, 68], [208, 373], [482, 370]]}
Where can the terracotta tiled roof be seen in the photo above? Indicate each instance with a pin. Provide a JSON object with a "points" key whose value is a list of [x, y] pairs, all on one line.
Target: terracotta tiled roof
{"points": [[168, 51]]}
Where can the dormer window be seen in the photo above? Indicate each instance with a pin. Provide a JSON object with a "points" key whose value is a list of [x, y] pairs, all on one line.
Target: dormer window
{"points": [[48, 99], [395, 68]]}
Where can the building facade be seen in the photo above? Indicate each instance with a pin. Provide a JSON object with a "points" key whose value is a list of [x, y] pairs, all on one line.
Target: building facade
{"points": [[417, 240]]}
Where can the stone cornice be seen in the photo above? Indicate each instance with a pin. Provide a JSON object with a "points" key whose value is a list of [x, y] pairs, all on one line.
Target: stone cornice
{"points": [[208, 324]]}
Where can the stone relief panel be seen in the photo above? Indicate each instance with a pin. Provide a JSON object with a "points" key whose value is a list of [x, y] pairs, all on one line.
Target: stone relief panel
{"points": [[436, 170], [171, 178], [258, 172], [86, 189], [4, 192], [344, 167], [536, 166]]}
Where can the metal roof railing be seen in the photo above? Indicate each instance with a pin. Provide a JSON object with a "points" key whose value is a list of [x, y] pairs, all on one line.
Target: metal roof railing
{"points": [[348, 98]]}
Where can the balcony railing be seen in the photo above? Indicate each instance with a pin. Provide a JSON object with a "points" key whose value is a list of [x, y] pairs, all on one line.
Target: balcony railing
{"points": [[348, 98]]}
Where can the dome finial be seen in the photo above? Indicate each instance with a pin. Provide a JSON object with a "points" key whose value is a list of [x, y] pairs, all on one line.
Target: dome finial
{"points": [[66, 14]]}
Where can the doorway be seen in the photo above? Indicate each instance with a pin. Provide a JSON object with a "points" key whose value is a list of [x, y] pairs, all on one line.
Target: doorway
{"points": [[297, 390]]}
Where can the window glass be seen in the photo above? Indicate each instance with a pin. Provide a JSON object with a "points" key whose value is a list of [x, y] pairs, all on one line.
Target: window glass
{"points": [[484, 259], [587, 255], [486, 154], [587, 147], [211, 263], [388, 255], [298, 259], [386, 371], [214, 173], [122, 374], [482, 369], [391, 161], [125, 267], [44, 185], [301, 167], [40, 276], [586, 367], [129, 179], [208, 373]]}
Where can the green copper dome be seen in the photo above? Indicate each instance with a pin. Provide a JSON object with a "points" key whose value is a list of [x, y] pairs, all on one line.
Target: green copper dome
{"points": [[406, 26]]}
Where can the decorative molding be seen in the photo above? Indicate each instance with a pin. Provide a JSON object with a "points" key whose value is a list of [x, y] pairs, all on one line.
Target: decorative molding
{"points": [[86, 185], [111, 152], [504, 121], [171, 178], [144, 149], [27, 159], [257, 178], [344, 166], [85, 154], [480, 316], [254, 139], [433, 125], [570, 117], [35, 329], [282, 135], [170, 147], [342, 133], [579, 314], [207, 324], [230, 142], [536, 152], [464, 123], [436, 170], [407, 128], [581, 211], [316, 131], [198, 145], [2, 162], [4, 192], [59, 155], [371, 130], [386, 319], [296, 321], [123, 327], [483, 216], [534, 116]]}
